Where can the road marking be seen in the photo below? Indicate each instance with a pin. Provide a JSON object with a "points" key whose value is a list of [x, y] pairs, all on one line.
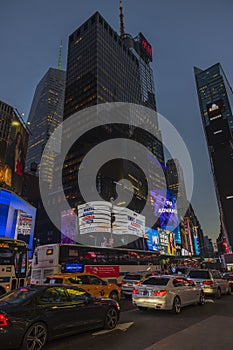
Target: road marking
{"points": [[121, 326], [209, 301]]}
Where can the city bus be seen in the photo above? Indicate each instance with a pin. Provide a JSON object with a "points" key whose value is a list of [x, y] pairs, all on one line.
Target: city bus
{"points": [[13, 264], [108, 263]]}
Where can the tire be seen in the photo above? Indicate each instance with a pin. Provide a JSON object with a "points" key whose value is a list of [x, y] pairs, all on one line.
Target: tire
{"points": [[218, 294], [111, 318], [142, 308], [202, 299], [176, 307], [35, 337], [114, 295]]}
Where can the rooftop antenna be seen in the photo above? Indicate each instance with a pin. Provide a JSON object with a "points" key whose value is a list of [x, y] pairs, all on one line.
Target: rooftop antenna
{"points": [[122, 29], [60, 57]]}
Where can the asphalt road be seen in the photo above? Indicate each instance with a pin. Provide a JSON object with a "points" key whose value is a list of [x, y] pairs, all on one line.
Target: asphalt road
{"points": [[197, 327]]}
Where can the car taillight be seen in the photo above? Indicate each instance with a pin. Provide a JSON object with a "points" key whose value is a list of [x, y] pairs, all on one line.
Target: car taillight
{"points": [[138, 283], [122, 282], [208, 283], [135, 291], [160, 293], [4, 320]]}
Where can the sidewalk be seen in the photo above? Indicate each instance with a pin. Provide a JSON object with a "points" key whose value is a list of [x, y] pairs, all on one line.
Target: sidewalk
{"points": [[213, 333]]}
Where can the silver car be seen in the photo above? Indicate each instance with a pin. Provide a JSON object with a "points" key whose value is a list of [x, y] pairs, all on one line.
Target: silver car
{"points": [[131, 279], [167, 293], [211, 281]]}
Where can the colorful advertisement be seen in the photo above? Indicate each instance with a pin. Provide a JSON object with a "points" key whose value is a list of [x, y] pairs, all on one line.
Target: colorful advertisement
{"points": [[16, 154], [17, 218], [153, 242], [23, 226], [68, 227], [167, 242], [164, 204], [104, 271]]}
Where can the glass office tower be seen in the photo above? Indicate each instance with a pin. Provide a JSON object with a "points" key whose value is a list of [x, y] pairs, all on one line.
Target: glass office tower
{"points": [[216, 102], [45, 115], [104, 67]]}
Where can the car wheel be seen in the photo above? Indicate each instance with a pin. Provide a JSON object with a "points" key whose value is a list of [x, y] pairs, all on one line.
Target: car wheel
{"points": [[142, 308], [114, 296], [201, 299], [176, 308], [35, 337], [111, 318], [218, 294]]}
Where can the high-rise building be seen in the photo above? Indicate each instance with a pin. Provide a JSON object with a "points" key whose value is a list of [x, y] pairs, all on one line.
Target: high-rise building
{"points": [[45, 115], [102, 67], [216, 104]]}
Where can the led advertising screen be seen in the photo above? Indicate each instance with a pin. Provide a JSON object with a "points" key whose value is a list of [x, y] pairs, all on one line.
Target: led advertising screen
{"points": [[68, 227], [16, 154], [164, 204], [17, 218], [153, 242], [167, 242], [23, 226]]}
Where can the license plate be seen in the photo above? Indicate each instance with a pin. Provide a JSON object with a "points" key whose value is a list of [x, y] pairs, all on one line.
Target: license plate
{"points": [[145, 292]]}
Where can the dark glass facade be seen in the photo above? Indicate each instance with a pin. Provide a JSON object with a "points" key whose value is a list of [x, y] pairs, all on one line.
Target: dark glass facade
{"points": [[104, 67], [45, 115], [216, 103]]}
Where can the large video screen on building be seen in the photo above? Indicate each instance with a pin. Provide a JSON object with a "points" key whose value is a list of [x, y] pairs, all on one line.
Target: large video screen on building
{"points": [[164, 204], [16, 154], [17, 218]]}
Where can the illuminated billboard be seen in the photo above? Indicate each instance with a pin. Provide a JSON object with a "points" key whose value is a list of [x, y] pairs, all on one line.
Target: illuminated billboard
{"points": [[164, 205], [68, 227], [167, 242], [17, 218], [152, 237], [16, 154]]}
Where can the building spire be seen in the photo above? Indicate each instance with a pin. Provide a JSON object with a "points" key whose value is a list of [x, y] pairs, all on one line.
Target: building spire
{"points": [[60, 57], [122, 29]]}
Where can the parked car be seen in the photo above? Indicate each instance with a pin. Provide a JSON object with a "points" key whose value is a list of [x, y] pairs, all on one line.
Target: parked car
{"points": [[167, 293], [34, 314], [133, 278], [211, 281], [89, 282]]}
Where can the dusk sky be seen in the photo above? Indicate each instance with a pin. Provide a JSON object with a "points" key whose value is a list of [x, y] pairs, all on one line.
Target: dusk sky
{"points": [[183, 34]]}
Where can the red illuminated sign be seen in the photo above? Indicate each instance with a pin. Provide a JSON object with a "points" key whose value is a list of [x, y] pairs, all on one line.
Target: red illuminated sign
{"points": [[147, 46], [104, 271]]}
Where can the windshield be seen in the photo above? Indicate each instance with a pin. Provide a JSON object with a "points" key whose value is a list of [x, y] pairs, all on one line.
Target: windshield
{"points": [[18, 296], [199, 274], [54, 280], [6, 256], [156, 281], [133, 277]]}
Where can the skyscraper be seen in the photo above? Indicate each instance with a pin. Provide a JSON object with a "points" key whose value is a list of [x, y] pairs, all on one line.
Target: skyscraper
{"points": [[216, 104], [45, 115], [103, 66]]}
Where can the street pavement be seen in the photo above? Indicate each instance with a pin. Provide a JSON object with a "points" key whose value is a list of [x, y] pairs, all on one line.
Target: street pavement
{"points": [[206, 327]]}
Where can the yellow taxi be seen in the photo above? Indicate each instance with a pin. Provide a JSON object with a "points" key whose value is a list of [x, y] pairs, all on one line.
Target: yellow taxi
{"points": [[89, 282]]}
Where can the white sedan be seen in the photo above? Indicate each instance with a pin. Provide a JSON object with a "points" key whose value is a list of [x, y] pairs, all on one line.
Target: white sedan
{"points": [[167, 293]]}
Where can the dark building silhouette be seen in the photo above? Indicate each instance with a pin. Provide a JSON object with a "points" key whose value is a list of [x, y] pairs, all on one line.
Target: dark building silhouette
{"points": [[105, 67], [216, 103], [45, 115]]}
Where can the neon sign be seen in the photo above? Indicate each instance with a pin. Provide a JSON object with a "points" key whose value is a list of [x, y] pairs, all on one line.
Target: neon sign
{"points": [[147, 46]]}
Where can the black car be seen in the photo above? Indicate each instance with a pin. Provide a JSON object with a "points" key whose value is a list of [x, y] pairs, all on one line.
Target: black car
{"points": [[32, 315]]}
